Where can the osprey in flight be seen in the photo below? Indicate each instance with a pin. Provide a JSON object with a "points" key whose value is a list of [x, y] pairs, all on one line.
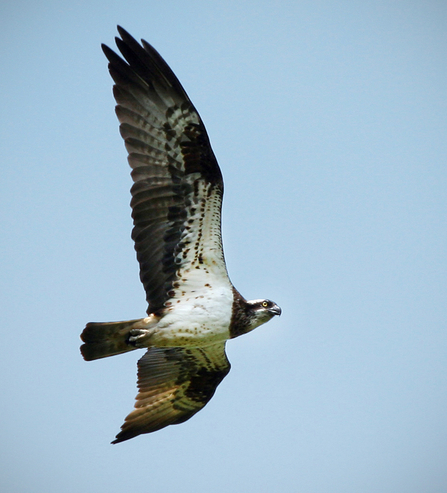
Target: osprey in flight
{"points": [[176, 208]]}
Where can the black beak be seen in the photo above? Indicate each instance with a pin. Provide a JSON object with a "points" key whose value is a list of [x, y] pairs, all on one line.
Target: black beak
{"points": [[275, 310]]}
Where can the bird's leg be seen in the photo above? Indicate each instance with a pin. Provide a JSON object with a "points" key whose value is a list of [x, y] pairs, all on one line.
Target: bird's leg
{"points": [[140, 337], [142, 331]]}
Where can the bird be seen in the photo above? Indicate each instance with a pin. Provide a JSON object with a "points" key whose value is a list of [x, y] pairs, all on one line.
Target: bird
{"points": [[177, 191]]}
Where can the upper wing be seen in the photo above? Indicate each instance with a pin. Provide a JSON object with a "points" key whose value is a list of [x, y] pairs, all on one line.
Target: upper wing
{"points": [[174, 384], [177, 194]]}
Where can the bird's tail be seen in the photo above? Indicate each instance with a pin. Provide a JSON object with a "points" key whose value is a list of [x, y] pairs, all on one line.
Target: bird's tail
{"points": [[107, 339]]}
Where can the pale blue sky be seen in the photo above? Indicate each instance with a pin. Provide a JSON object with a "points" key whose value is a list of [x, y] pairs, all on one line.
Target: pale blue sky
{"points": [[329, 121]]}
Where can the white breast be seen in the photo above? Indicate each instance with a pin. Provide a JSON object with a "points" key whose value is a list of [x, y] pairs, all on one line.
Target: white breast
{"points": [[197, 320]]}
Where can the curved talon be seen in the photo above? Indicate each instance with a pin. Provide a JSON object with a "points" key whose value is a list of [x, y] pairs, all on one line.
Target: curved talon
{"points": [[137, 337]]}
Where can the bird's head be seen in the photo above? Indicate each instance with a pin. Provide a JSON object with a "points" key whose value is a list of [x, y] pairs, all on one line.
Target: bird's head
{"points": [[261, 311]]}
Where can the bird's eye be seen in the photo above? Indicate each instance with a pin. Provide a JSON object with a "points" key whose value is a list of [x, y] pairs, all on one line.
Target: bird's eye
{"points": [[265, 304]]}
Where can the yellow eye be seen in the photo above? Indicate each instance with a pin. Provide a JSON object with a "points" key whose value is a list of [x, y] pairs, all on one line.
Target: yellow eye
{"points": [[265, 304]]}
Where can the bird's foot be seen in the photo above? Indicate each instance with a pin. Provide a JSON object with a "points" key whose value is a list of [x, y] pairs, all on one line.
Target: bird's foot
{"points": [[140, 337]]}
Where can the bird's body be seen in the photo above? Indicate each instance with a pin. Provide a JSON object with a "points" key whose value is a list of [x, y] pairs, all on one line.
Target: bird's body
{"points": [[176, 206]]}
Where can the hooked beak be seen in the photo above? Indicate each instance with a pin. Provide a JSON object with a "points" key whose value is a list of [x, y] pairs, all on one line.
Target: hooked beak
{"points": [[276, 310]]}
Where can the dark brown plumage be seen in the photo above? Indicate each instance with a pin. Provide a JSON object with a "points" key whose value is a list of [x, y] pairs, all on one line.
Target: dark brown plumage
{"points": [[193, 308]]}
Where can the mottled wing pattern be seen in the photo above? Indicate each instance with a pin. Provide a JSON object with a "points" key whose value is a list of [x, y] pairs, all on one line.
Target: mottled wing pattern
{"points": [[174, 384], [178, 187]]}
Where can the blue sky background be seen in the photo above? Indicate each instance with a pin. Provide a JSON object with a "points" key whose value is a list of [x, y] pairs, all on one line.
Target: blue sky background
{"points": [[329, 121]]}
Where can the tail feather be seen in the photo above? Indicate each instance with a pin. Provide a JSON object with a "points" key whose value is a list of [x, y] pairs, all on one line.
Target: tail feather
{"points": [[106, 339]]}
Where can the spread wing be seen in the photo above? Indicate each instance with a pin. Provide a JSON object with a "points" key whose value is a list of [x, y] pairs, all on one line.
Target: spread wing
{"points": [[174, 384], [178, 187]]}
